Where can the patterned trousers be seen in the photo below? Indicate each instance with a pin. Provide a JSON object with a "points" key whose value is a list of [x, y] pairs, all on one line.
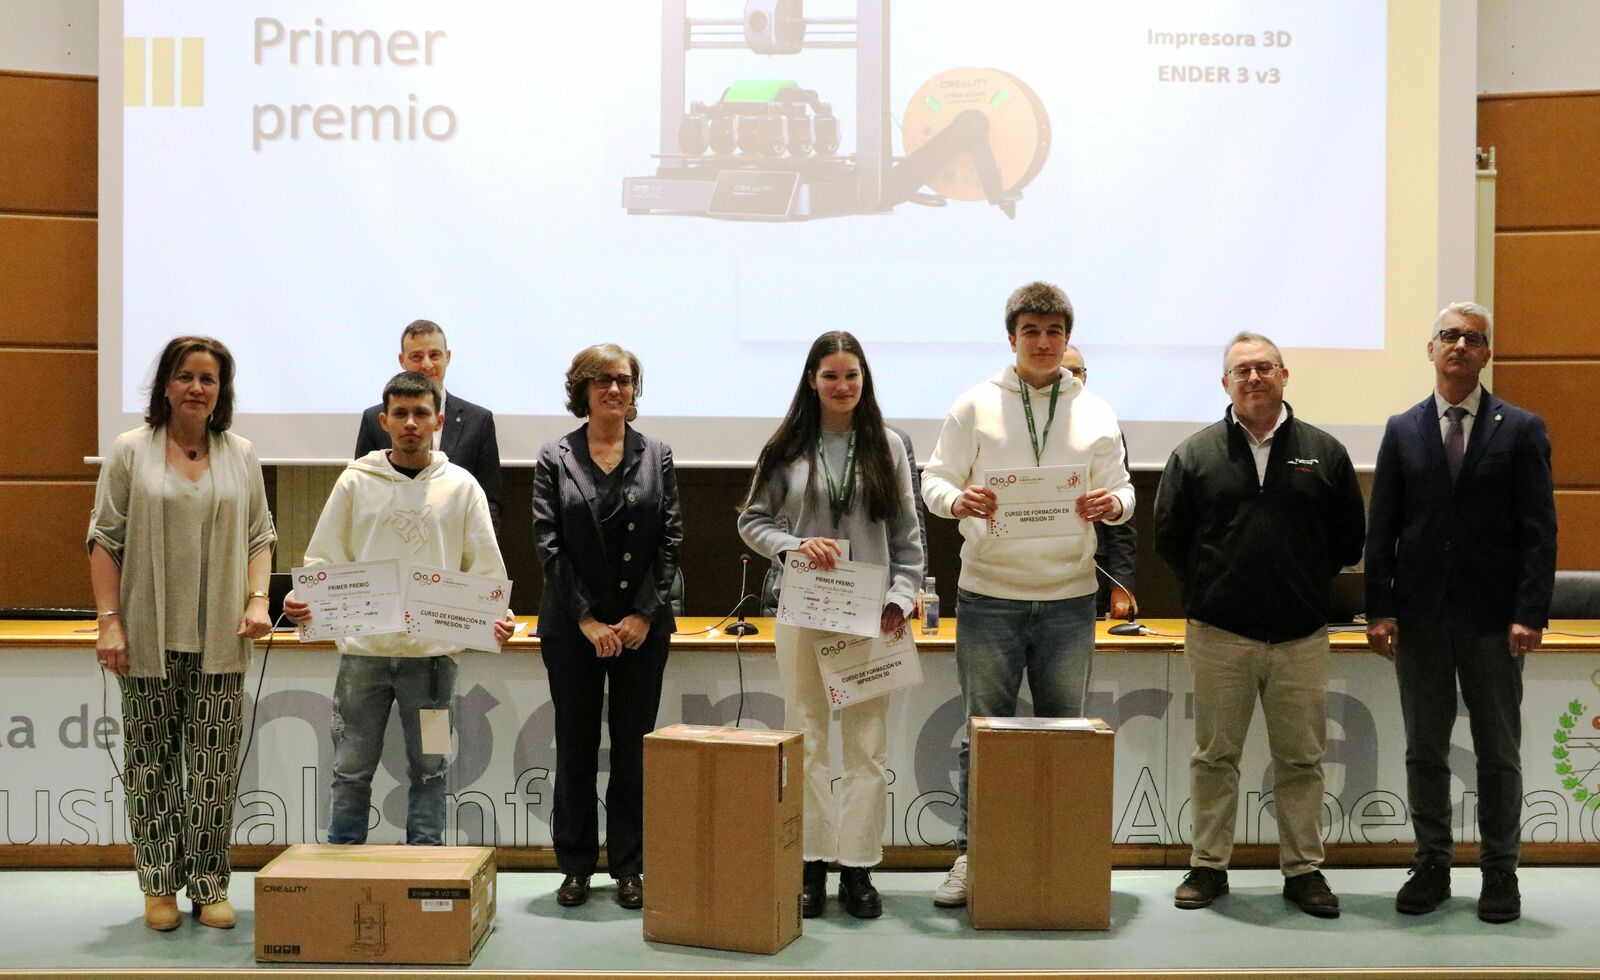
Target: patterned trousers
{"points": [[180, 770]]}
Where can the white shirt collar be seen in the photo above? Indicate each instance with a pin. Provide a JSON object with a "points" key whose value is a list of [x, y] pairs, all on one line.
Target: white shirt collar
{"points": [[1283, 416], [1470, 403]]}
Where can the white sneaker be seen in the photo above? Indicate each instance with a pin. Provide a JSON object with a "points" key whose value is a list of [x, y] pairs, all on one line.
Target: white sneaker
{"points": [[953, 893]]}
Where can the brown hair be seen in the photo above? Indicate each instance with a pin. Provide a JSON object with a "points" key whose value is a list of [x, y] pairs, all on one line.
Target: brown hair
{"points": [[159, 412], [423, 328], [1040, 299], [797, 434], [590, 363]]}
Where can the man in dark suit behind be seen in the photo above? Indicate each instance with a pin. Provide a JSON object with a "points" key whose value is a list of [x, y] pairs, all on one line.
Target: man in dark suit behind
{"points": [[1461, 551], [1116, 545], [467, 433]]}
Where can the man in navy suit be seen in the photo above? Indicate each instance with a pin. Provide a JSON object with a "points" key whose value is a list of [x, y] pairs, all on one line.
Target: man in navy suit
{"points": [[466, 433], [1461, 554]]}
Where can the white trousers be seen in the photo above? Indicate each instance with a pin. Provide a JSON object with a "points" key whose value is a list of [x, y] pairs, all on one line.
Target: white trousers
{"points": [[847, 829]]}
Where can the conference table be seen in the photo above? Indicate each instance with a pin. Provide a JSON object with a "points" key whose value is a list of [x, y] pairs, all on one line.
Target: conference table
{"points": [[708, 634], [60, 745]]}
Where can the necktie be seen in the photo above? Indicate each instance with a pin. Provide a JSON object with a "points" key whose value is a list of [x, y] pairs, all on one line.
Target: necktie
{"points": [[1455, 442]]}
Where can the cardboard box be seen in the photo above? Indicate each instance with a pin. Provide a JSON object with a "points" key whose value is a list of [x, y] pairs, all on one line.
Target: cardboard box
{"points": [[1039, 823], [722, 837], [360, 903]]}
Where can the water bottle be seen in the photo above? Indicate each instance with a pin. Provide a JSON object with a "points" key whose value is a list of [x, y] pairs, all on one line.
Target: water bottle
{"points": [[930, 607]]}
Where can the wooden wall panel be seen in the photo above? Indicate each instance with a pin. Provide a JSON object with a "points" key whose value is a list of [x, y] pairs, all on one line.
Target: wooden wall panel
{"points": [[49, 151], [57, 418], [1547, 290], [1559, 391], [1546, 148], [301, 492], [49, 298], [43, 527], [1578, 545]]}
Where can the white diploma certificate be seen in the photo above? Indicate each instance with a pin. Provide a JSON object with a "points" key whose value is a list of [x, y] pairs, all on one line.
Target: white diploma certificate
{"points": [[856, 668], [1037, 501], [353, 599], [845, 599], [455, 607]]}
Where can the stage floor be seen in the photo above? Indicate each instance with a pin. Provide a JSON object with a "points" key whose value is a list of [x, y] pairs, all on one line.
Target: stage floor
{"points": [[90, 921]]}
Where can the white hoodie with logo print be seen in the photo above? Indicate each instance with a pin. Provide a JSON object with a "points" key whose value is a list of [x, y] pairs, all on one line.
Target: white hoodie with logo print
{"points": [[440, 519], [987, 430]]}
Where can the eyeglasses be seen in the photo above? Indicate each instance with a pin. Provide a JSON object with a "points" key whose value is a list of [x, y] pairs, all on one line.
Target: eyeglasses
{"points": [[623, 381], [1267, 370], [1079, 373], [1474, 338]]}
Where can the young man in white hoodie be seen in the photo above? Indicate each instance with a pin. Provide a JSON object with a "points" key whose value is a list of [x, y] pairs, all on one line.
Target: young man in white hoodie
{"points": [[412, 504], [1026, 605]]}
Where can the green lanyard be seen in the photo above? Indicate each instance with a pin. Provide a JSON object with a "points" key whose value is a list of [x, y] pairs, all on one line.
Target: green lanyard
{"points": [[1027, 410], [839, 496]]}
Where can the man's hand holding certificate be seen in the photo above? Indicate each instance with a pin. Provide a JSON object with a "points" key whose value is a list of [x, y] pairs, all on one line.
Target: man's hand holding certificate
{"points": [[354, 599], [847, 598], [1037, 501], [366, 598], [456, 607]]}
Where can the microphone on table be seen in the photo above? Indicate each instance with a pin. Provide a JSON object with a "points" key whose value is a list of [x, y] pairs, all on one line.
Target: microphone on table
{"points": [[742, 628], [1132, 627]]}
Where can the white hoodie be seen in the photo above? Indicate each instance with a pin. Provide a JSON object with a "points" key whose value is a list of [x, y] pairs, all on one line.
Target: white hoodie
{"points": [[441, 519], [986, 430]]}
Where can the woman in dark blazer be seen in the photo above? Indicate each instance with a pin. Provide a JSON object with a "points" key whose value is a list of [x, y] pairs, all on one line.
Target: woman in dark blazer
{"points": [[608, 529]]}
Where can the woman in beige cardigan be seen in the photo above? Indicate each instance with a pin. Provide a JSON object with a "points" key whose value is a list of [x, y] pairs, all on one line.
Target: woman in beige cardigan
{"points": [[180, 551]]}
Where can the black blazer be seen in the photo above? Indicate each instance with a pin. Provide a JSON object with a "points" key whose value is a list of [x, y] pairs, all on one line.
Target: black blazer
{"points": [[578, 580], [1482, 551], [468, 439]]}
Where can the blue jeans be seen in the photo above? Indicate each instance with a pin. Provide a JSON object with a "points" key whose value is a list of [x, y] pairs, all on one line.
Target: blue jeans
{"points": [[997, 640], [362, 696]]}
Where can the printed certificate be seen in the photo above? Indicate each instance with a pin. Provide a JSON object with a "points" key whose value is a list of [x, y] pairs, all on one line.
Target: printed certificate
{"points": [[846, 599], [354, 599], [1037, 501], [857, 668], [455, 607]]}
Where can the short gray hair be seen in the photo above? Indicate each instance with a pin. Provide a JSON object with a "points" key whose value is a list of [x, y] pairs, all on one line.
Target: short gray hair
{"points": [[1476, 311], [1247, 337]]}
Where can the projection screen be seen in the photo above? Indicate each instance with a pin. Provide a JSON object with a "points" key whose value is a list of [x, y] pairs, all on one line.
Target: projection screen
{"points": [[713, 183]]}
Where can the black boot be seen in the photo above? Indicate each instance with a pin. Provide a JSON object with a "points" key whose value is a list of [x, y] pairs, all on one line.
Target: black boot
{"points": [[856, 892], [814, 889]]}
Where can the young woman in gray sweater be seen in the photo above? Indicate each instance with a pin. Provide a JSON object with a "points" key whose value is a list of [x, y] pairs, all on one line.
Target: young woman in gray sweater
{"points": [[833, 473]]}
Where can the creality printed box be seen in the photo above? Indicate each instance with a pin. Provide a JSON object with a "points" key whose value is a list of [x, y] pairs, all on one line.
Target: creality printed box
{"points": [[1039, 823], [722, 837], [362, 903]]}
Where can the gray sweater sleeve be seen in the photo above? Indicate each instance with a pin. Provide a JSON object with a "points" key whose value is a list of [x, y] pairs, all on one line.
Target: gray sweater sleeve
{"points": [[906, 558], [762, 524]]}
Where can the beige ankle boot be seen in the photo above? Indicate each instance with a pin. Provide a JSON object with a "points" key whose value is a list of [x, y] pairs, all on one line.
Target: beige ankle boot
{"points": [[217, 915], [161, 912]]}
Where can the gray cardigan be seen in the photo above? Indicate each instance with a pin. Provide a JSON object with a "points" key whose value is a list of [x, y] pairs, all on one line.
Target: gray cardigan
{"points": [[783, 515], [127, 523]]}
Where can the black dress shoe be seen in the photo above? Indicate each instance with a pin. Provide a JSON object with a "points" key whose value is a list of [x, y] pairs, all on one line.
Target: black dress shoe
{"points": [[1500, 900], [856, 892], [1311, 894], [574, 890], [1427, 886], [630, 892], [814, 889]]}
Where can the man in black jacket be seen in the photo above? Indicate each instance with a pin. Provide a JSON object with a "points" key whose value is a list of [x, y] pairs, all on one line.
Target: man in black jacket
{"points": [[1257, 513], [466, 431], [1461, 562]]}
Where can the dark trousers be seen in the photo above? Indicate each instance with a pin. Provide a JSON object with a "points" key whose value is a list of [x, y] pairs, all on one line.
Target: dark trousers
{"points": [[578, 681], [1433, 657]]}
